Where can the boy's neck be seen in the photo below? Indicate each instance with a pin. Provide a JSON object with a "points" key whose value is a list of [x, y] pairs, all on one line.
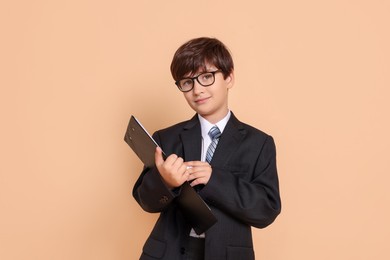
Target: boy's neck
{"points": [[213, 119]]}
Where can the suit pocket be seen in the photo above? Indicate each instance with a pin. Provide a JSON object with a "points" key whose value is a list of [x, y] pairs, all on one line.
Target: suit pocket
{"points": [[243, 253], [236, 167], [154, 248], [241, 171]]}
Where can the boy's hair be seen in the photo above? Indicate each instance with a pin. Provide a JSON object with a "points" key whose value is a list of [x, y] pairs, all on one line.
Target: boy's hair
{"points": [[194, 55]]}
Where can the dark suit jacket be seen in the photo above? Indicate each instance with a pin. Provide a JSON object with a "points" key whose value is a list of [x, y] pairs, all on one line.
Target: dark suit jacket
{"points": [[243, 191]]}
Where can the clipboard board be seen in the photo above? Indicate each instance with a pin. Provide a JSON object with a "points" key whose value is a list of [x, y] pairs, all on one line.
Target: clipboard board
{"points": [[196, 211], [141, 142]]}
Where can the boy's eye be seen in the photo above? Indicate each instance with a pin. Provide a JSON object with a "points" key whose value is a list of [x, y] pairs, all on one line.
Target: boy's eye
{"points": [[207, 76], [186, 82]]}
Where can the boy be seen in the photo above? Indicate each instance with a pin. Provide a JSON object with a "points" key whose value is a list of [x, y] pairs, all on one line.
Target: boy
{"points": [[233, 167]]}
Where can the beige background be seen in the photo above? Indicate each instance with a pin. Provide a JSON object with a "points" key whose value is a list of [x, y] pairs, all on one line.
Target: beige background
{"points": [[314, 74]]}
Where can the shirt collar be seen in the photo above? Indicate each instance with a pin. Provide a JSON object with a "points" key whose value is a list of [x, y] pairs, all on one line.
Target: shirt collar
{"points": [[206, 125]]}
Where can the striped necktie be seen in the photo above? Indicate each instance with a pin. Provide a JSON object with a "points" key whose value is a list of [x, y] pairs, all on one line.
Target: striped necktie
{"points": [[214, 133]]}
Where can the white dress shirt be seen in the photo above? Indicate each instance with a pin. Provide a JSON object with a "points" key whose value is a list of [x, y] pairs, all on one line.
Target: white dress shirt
{"points": [[206, 141]]}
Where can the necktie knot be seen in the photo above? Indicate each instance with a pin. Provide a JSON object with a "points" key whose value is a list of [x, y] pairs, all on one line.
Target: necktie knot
{"points": [[214, 133]]}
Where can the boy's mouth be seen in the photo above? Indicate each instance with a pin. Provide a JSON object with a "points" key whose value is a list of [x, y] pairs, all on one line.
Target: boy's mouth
{"points": [[201, 100]]}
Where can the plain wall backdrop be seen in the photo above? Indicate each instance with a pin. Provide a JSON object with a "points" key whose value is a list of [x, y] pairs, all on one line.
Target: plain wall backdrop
{"points": [[313, 74]]}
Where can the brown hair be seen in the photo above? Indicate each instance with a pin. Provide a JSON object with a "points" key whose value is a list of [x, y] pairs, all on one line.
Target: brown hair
{"points": [[193, 56]]}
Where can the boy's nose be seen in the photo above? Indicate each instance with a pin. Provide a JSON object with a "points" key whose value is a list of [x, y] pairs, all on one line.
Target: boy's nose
{"points": [[197, 88]]}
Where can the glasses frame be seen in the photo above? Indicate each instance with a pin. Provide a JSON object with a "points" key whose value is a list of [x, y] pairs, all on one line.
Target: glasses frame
{"points": [[177, 83]]}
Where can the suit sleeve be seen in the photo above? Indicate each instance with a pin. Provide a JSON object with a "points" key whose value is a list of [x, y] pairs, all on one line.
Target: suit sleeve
{"points": [[150, 191], [253, 201]]}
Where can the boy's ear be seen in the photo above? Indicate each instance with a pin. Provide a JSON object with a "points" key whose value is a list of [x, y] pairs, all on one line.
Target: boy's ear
{"points": [[230, 80]]}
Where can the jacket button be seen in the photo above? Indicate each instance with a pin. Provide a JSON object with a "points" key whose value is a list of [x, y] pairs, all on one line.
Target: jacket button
{"points": [[164, 200]]}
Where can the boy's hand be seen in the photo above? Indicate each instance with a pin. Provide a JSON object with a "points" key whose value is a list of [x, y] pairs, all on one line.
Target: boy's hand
{"points": [[199, 172], [172, 170]]}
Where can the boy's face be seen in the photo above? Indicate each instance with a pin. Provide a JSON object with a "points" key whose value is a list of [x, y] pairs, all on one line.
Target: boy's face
{"points": [[211, 102]]}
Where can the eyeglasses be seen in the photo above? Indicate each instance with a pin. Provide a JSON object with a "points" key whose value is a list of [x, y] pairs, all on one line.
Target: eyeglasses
{"points": [[205, 79]]}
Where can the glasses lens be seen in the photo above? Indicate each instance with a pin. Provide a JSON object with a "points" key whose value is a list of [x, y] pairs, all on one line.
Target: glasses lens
{"points": [[186, 84], [206, 79]]}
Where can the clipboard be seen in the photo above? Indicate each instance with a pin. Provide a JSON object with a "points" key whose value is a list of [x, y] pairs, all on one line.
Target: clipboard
{"points": [[196, 211], [141, 142]]}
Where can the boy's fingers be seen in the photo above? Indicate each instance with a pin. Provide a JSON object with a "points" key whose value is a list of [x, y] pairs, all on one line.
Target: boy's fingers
{"points": [[196, 163], [170, 160]]}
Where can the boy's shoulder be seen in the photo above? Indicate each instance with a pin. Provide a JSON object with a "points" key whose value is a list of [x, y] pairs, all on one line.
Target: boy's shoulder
{"points": [[254, 135], [253, 129], [247, 128], [233, 123]]}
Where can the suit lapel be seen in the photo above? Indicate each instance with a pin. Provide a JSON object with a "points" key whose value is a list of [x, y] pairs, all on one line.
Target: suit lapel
{"points": [[231, 138], [192, 140]]}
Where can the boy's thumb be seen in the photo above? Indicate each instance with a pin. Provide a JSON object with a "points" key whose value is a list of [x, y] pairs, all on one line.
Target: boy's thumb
{"points": [[158, 158]]}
